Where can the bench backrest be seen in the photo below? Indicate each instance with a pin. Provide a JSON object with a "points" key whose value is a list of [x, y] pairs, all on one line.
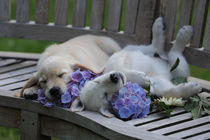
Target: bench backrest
{"points": [[139, 17]]}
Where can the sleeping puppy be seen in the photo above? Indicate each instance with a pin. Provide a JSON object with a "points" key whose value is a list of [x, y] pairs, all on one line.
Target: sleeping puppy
{"points": [[148, 65], [142, 64], [59, 60]]}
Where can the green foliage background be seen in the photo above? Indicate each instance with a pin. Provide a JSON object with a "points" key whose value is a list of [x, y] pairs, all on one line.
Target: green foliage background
{"points": [[20, 45]]}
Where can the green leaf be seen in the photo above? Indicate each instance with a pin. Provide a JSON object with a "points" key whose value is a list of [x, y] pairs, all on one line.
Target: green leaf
{"points": [[207, 110], [196, 112], [191, 104], [161, 106], [205, 102], [179, 80], [175, 65]]}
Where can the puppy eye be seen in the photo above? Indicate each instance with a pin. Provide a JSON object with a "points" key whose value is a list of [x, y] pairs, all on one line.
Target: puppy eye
{"points": [[61, 75]]}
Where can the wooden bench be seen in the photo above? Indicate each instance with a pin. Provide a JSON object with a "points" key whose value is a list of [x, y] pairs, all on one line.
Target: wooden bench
{"points": [[38, 122]]}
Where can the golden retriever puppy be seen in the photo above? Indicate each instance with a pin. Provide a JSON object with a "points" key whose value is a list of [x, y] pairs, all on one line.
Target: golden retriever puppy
{"points": [[59, 60]]}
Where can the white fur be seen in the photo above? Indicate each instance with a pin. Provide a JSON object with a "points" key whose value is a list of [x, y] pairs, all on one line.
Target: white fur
{"points": [[139, 64]]}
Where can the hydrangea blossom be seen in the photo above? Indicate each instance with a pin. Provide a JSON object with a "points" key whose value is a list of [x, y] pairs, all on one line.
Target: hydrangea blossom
{"points": [[130, 102], [78, 79]]}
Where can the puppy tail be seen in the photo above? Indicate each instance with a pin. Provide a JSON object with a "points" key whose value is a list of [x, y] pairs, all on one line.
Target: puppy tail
{"points": [[108, 45]]}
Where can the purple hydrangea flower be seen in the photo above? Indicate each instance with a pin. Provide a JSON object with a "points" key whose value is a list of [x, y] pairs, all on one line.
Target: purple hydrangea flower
{"points": [[130, 102], [78, 81]]}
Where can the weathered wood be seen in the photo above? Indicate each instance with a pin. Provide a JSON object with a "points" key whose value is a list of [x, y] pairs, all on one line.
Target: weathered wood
{"points": [[130, 16], [145, 20], [154, 117], [110, 128], [204, 136], [9, 117], [186, 13], [15, 79], [42, 11], [22, 10], [13, 86], [114, 15], [79, 13], [8, 62], [5, 10], [182, 126], [18, 72], [17, 66], [17, 55], [56, 33], [191, 132], [97, 14], [197, 57], [199, 23], [170, 20], [61, 12], [30, 126], [57, 128], [207, 41]]}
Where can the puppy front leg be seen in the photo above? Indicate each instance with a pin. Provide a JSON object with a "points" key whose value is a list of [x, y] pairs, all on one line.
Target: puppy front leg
{"points": [[31, 93], [137, 76]]}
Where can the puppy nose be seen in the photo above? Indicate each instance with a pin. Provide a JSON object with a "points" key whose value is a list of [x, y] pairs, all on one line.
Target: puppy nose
{"points": [[114, 77], [55, 92]]}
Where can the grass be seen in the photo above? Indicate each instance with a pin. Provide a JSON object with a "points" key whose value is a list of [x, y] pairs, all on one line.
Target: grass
{"points": [[20, 45]]}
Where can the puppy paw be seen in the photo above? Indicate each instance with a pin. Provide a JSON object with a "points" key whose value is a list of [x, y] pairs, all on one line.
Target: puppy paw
{"points": [[115, 77], [184, 35], [158, 28], [190, 89], [30, 93]]}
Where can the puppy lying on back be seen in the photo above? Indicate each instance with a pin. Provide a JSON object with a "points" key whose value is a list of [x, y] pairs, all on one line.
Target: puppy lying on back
{"points": [[58, 61], [147, 65]]}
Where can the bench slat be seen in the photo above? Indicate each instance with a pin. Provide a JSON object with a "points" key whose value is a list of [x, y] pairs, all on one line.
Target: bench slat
{"points": [[18, 72], [5, 10], [144, 21], [61, 12], [17, 66], [199, 22], [207, 41], [204, 136], [97, 14], [130, 16], [42, 11], [186, 13], [79, 13], [191, 132], [170, 20], [8, 62], [22, 10], [182, 126], [114, 15]]}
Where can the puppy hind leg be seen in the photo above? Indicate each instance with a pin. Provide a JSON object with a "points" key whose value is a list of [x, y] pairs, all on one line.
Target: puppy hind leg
{"points": [[105, 111]]}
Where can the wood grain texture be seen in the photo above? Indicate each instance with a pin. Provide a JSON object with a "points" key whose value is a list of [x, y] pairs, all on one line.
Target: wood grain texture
{"points": [[170, 20], [9, 117], [42, 11], [110, 128], [199, 23], [30, 126], [197, 57], [19, 55], [56, 33], [79, 13], [114, 15], [130, 16], [207, 41], [97, 14], [22, 10], [5, 10], [204, 136], [8, 62], [186, 13], [61, 12], [145, 20], [57, 128]]}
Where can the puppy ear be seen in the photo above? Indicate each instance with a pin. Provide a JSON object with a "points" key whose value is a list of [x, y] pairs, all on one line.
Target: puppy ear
{"points": [[83, 67], [77, 106], [31, 82]]}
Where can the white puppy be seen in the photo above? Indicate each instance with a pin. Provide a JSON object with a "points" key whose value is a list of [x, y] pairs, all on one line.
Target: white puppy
{"points": [[97, 93], [142, 64]]}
